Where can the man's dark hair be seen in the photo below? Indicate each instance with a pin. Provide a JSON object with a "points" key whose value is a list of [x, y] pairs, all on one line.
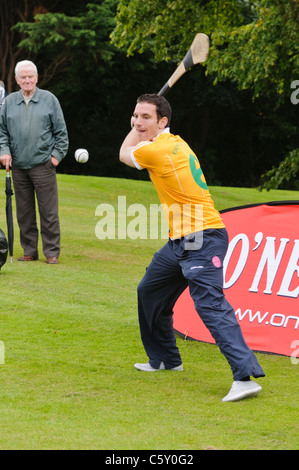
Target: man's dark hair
{"points": [[162, 106]]}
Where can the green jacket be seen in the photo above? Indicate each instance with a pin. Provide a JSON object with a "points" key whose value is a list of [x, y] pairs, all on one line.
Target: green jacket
{"points": [[32, 133]]}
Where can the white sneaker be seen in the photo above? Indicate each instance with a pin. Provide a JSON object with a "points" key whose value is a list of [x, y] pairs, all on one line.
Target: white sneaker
{"points": [[242, 390], [148, 368]]}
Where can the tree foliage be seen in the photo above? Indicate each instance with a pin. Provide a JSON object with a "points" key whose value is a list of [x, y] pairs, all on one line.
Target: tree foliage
{"points": [[65, 39], [13, 11], [254, 44], [98, 56], [277, 176], [91, 77], [263, 55], [168, 27]]}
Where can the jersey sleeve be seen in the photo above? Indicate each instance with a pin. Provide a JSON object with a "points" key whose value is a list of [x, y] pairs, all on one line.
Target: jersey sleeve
{"points": [[145, 155]]}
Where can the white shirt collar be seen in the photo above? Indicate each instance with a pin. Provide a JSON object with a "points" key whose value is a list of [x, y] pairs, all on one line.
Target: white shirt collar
{"points": [[165, 131]]}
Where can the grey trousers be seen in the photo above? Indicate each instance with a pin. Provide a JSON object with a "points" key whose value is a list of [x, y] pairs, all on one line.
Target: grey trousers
{"points": [[40, 182]]}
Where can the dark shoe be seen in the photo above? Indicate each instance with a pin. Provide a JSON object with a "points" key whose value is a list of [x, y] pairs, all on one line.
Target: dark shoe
{"points": [[27, 258], [52, 260]]}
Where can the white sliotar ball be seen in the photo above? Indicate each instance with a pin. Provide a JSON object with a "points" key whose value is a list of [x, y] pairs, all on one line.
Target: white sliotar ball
{"points": [[81, 155]]}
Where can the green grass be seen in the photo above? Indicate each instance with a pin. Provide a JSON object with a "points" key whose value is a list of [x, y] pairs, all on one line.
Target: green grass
{"points": [[71, 338]]}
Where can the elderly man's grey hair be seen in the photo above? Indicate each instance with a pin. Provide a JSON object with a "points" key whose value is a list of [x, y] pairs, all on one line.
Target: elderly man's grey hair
{"points": [[25, 63]]}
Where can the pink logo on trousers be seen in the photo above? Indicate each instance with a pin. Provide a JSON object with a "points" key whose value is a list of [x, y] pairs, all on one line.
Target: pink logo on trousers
{"points": [[216, 262]]}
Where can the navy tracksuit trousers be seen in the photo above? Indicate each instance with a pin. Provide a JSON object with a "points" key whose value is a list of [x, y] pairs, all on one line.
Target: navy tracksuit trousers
{"points": [[200, 267]]}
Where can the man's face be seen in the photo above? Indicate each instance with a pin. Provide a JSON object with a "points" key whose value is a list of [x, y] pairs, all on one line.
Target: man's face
{"points": [[27, 79], [146, 121]]}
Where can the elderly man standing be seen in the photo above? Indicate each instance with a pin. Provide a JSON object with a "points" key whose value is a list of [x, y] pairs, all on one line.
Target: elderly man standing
{"points": [[33, 141]]}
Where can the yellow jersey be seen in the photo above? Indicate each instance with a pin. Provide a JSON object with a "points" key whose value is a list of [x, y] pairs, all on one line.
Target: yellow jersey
{"points": [[179, 181]]}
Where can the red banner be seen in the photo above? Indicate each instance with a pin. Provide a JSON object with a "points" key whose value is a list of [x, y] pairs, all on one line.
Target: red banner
{"points": [[261, 279]]}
